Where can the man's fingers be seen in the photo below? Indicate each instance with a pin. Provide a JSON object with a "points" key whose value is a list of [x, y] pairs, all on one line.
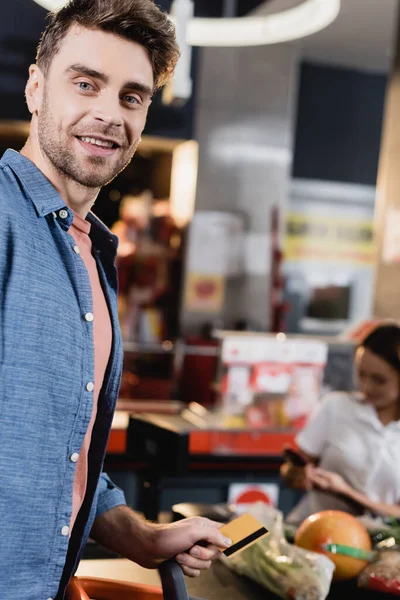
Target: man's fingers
{"points": [[195, 564], [190, 572], [208, 531], [208, 553]]}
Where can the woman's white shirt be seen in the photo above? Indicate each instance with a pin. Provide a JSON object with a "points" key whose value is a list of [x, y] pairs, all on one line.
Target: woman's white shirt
{"points": [[349, 439]]}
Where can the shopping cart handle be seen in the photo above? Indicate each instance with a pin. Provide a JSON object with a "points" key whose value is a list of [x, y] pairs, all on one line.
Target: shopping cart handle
{"points": [[173, 581]]}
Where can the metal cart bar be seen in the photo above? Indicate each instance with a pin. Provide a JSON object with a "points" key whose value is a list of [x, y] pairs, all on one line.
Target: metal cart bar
{"points": [[173, 581]]}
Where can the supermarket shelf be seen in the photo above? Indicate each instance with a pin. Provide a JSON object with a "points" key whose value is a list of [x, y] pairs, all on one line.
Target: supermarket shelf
{"points": [[169, 347]]}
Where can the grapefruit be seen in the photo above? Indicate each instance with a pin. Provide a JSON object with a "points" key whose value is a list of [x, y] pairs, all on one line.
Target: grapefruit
{"points": [[335, 527]]}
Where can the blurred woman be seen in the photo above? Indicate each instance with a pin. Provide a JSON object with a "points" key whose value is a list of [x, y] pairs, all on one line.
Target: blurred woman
{"points": [[352, 443]]}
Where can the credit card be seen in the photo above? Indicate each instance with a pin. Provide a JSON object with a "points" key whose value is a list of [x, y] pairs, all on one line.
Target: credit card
{"points": [[243, 531]]}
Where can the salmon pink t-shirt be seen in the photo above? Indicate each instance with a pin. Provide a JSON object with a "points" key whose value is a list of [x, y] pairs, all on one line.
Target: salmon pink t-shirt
{"points": [[102, 335]]}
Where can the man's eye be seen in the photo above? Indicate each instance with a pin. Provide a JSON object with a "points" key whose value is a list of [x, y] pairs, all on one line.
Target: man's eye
{"points": [[84, 86], [131, 99]]}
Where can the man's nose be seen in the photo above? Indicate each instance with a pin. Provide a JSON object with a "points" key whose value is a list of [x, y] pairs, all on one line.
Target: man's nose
{"points": [[108, 110]]}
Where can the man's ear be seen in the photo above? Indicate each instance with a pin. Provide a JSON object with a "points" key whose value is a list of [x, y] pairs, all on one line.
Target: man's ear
{"points": [[34, 89]]}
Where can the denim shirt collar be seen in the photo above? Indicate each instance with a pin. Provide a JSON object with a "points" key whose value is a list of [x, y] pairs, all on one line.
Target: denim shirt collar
{"points": [[47, 200]]}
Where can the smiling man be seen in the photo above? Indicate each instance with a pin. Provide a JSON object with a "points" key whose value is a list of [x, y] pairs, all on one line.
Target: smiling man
{"points": [[98, 65]]}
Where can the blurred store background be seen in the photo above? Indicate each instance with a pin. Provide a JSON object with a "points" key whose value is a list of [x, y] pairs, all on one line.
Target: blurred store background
{"points": [[248, 219]]}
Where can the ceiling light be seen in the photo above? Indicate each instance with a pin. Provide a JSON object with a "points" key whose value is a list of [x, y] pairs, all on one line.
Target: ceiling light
{"points": [[298, 22], [285, 26], [51, 4]]}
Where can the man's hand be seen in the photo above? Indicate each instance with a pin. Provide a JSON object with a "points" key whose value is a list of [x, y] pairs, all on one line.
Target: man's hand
{"points": [[194, 542], [330, 482], [181, 540]]}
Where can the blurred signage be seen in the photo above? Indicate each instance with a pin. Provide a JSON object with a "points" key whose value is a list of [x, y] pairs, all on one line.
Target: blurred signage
{"points": [[323, 238], [215, 252], [243, 496], [256, 349], [204, 292], [216, 243]]}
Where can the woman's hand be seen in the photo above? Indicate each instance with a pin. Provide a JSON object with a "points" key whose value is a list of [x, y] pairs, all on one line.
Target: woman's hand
{"points": [[330, 482], [299, 478]]}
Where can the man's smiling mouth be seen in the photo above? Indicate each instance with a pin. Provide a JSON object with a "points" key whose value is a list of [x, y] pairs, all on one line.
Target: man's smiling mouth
{"points": [[98, 142]]}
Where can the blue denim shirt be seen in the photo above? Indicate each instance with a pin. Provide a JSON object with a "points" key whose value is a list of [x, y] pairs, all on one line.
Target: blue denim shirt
{"points": [[46, 364]]}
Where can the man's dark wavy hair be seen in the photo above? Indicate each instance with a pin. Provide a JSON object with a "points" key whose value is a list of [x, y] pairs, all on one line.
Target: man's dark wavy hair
{"points": [[140, 21]]}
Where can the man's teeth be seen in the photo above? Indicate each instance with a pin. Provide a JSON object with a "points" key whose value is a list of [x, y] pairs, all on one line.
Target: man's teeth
{"points": [[95, 142]]}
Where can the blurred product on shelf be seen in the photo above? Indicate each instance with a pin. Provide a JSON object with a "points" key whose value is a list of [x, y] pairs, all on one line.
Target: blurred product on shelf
{"points": [[273, 381], [148, 246]]}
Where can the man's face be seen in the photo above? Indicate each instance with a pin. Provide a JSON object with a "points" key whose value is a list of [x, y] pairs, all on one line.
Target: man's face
{"points": [[94, 105]]}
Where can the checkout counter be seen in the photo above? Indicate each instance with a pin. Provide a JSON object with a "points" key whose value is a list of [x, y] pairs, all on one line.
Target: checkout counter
{"points": [[167, 452], [181, 450]]}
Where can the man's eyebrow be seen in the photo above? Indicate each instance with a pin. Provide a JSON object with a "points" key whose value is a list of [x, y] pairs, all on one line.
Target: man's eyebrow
{"points": [[83, 70], [138, 87], [129, 85]]}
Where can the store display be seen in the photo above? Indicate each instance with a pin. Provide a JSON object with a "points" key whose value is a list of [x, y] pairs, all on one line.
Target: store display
{"points": [[286, 570], [335, 527], [275, 381]]}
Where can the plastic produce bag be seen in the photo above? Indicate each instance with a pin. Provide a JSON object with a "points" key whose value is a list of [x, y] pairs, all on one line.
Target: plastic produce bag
{"points": [[288, 571], [383, 574], [381, 528]]}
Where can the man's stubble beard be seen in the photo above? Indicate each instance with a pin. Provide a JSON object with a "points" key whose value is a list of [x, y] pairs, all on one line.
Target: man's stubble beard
{"points": [[65, 160]]}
